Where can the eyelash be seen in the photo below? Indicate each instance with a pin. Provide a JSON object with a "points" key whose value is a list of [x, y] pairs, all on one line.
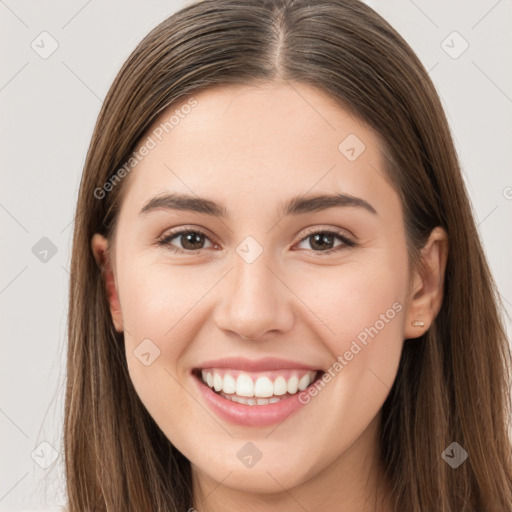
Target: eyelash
{"points": [[165, 241]]}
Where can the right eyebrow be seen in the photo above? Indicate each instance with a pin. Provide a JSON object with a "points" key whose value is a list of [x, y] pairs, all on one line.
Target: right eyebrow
{"points": [[185, 202]]}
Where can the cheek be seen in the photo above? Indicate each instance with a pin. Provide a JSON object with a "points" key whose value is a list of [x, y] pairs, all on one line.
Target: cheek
{"points": [[158, 311], [361, 307], [158, 299], [361, 300]]}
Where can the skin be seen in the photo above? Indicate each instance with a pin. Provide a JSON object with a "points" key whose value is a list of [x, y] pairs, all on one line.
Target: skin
{"points": [[251, 148]]}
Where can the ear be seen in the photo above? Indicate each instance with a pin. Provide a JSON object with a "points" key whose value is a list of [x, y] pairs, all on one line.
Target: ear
{"points": [[102, 257], [427, 284]]}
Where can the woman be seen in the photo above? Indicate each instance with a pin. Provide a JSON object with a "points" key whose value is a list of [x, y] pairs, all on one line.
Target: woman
{"points": [[278, 296]]}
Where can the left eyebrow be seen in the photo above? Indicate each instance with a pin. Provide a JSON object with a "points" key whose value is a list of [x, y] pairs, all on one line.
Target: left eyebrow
{"points": [[307, 204], [295, 206]]}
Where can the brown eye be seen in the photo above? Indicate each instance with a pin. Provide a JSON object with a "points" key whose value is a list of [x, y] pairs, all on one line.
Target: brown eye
{"points": [[323, 241], [191, 241]]}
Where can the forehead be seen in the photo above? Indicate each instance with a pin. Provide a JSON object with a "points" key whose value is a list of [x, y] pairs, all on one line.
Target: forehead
{"points": [[250, 146]]}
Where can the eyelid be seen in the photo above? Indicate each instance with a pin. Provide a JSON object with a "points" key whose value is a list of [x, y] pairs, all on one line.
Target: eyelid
{"points": [[186, 228], [343, 233]]}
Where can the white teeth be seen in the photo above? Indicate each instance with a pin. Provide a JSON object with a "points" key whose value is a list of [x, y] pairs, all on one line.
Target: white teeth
{"points": [[262, 387], [229, 384], [293, 383], [244, 385], [209, 378], [250, 401], [217, 382], [304, 382], [280, 387]]}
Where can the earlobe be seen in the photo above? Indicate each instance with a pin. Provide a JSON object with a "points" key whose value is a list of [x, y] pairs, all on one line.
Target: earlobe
{"points": [[99, 249], [428, 285]]}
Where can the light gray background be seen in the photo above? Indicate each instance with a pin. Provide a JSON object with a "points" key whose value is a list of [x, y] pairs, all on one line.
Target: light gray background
{"points": [[48, 110]]}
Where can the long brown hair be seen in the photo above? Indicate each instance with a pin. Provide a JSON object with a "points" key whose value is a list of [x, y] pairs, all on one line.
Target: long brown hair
{"points": [[452, 383]]}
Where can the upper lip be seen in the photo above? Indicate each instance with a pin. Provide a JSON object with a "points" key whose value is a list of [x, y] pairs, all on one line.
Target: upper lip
{"points": [[256, 365]]}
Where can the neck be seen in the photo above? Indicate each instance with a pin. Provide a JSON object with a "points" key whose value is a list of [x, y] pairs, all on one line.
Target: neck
{"points": [[353, 482]]}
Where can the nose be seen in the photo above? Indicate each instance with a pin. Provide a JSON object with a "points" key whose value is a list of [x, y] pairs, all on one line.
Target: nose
{"points": [[255, 300]]}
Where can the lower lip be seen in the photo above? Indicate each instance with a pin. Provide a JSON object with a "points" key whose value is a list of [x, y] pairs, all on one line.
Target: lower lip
{"points": [[249, 415]]}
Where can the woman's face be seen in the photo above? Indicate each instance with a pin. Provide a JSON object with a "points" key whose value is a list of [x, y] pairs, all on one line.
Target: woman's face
{"points": [[256, 300]]}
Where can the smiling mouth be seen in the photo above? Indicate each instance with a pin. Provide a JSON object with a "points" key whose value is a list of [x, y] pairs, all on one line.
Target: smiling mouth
{"points": [[256, 388]]}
